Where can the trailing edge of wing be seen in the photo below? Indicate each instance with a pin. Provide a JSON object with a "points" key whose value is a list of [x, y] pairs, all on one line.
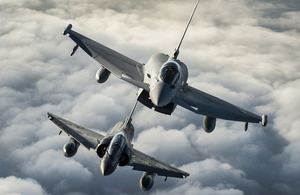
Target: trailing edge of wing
{"points": [[86, 137], [146, 163], [205, 104], [136, 83]]}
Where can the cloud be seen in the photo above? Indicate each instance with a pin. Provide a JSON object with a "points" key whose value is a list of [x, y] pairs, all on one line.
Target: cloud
{"points": [[64, 178], [212, 177], [286, 100], [14, 185], [242, 51]]}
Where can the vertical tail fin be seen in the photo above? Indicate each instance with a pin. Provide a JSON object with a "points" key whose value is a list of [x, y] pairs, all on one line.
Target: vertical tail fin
{"points": [[176, 53]]}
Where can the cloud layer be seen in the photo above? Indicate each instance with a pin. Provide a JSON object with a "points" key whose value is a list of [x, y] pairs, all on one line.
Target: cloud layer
{"points": [[242, 51]]}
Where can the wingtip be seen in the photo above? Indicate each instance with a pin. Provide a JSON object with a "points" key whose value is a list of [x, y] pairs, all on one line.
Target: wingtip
{"points": [[264, 120], [67, 30], [185, 175], [50, 115]]}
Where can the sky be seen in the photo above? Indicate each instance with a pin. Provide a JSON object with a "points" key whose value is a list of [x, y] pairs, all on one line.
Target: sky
{"points": [[243, 51]]}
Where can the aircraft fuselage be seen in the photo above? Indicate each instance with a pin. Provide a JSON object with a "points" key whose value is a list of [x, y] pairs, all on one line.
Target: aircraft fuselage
{"points": [[165, 77], [122, 135]]}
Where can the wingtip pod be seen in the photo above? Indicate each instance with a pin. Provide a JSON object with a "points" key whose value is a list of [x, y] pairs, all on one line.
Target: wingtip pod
{"points": [[185, 175], [264, 120], [50, 115], [67, 30]]}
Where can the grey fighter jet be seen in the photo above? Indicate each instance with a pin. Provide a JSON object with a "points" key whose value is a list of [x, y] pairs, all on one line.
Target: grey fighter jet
{"points": [[115, 149], [162, 82]]}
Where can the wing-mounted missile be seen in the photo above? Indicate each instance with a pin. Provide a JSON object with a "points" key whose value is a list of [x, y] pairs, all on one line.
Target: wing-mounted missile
{"points": [[264, 122], [74, 50], [67, 31], [78, 39]]}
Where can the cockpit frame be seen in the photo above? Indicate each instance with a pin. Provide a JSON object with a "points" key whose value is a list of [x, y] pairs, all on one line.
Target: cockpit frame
{"points": [[170, 72]]}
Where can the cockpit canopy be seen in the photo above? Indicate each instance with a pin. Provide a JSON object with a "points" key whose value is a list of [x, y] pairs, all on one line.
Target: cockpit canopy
{"points": [[169, 73], [117, 145]]}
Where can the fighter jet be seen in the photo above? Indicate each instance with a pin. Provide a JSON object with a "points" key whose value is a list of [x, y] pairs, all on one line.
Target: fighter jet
{"points": [[162, 82], [115, 149]]}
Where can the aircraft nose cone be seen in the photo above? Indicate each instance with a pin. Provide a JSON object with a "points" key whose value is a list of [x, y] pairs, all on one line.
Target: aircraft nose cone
{"points": [[106, 168], [161, 95]]}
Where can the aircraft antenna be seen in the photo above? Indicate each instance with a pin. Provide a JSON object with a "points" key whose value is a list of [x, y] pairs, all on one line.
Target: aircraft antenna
{"points": [[176, 53]]}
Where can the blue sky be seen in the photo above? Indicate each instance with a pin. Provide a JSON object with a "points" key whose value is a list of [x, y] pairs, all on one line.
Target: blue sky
{"points": [[245, 52]]}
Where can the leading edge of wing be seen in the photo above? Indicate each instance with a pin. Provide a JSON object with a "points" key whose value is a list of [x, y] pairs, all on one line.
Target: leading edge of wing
{"points": [[113, 61], [208, 105], [86, 137], [146, 163]]}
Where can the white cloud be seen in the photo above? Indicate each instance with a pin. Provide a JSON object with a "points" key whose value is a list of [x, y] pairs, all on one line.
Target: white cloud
{"points": [[14, 185], [212, 177], [242, 51], [287, 101]]}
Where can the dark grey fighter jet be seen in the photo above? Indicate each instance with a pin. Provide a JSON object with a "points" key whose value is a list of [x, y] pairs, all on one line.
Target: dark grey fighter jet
{"points": [[115, 149], [162, 82]]}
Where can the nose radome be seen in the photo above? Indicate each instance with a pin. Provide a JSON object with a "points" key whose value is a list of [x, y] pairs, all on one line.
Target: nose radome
{"points": [[161, 95], [106, 168]]}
